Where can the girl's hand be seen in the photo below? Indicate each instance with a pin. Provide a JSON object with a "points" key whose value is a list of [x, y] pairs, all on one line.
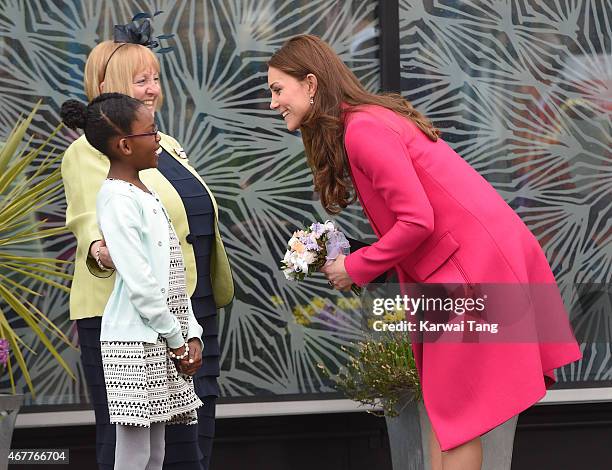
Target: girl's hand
{"points": [[193, 362], [105, 256], [178, 363], [336, 274]]}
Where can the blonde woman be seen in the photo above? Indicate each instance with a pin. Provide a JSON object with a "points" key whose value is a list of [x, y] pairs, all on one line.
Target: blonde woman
{"points": [[133, 69]]}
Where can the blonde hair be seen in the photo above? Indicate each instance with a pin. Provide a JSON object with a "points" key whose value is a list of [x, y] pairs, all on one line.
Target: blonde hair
{"points": [[118, 73], [323, 127]]}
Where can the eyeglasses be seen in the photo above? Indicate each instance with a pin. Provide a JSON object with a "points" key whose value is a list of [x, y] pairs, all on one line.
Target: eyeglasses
{"points": [[154, 132]]}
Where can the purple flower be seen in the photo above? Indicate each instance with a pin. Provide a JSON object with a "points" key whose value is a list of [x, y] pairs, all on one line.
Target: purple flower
{"points": [[312, 246], [318, 229], [4, 351]]}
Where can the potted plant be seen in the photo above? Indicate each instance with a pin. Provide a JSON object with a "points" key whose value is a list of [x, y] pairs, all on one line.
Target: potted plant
{"points": [[382, 375], [9, 407], [29, 179]]}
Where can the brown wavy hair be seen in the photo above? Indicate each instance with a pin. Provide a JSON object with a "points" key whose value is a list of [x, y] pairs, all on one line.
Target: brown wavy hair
{"points": [[323, 127]]}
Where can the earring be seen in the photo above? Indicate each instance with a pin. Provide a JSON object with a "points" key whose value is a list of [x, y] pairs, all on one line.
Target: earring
{"points": [[311, 100]]}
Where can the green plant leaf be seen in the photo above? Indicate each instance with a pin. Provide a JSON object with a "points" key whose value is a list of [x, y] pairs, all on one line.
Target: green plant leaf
{"points": [[17, 285], [55, 330], [39, 269], [28, 238], [42, 279], [381, 372], [29, 318], [33, 260], [15, 138], [30, 179], [11, 336]]}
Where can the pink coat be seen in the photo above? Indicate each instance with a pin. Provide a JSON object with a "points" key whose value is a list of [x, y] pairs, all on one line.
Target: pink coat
{"points": [[438, 221]]}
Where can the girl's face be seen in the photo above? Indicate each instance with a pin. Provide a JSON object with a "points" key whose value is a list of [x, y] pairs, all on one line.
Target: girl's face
{"points": [[146, 88], [290, 96], [141, 146]]}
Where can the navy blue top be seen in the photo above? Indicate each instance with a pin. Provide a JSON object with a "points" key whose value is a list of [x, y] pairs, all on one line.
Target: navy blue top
{"points": [[201, 219]]}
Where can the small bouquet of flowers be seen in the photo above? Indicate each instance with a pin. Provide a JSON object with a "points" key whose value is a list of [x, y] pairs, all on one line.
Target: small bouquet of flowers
{"points": [[309, 249]]}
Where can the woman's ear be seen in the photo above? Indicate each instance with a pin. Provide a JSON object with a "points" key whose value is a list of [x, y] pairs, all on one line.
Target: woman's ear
{"points": [[311, 81], [101, 87]]}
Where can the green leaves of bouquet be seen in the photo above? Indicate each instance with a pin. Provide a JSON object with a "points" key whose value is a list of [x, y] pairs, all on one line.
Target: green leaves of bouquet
{"points": [[29, 180]]}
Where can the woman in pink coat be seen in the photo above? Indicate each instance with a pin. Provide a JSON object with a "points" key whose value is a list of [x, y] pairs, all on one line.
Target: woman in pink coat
{"points": [[437, 221]]}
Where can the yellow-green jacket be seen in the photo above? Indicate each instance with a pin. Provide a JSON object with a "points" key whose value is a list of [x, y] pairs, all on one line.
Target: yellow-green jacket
{"points": [[83, 171]]}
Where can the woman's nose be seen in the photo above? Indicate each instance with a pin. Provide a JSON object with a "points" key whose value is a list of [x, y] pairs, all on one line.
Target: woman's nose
{"points": [[153, 88], [273, 104]]}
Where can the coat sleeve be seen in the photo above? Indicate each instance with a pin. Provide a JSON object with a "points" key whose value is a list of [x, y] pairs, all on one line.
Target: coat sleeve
{"points": [[120, 223], [380, 154], [82, 175]]}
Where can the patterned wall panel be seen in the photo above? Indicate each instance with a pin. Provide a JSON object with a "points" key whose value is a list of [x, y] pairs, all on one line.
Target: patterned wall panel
{"points": [[522, 89], [216, 105]]}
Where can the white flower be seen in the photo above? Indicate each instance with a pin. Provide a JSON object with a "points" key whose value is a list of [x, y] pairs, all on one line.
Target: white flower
{"points": [[289, 274], [329, 226], [309, 257], [301, 265]]}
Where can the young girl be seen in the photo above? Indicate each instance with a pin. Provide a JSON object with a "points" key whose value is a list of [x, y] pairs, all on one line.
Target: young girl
{"points": [[148, 318]]}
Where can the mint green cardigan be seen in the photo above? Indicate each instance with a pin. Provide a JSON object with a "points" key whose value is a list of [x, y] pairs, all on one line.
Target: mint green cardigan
{"points": [[83, 171], [135, 228]]}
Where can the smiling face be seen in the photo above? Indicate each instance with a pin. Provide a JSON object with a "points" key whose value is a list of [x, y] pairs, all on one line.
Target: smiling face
{"points": [[146, 88], [141, 147], [290, 96], [130, 69]]}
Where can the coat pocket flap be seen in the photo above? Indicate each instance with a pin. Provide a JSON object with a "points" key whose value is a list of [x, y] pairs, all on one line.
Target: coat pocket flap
{"points": [[437, 256]]}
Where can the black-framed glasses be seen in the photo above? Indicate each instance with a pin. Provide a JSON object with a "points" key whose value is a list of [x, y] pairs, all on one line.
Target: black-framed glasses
{"points": [[154, 132]]}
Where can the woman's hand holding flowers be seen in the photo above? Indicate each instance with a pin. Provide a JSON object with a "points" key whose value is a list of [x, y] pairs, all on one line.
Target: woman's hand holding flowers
{"points": [[336, 274]]}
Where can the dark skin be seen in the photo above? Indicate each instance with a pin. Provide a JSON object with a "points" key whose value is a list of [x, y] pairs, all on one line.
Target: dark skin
{"points": [[131, 155]]}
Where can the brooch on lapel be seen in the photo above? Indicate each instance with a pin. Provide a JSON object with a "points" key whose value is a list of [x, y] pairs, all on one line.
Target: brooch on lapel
{"points": [[180, 153]]}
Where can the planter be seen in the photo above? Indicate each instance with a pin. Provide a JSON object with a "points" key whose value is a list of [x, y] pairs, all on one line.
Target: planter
{"points": [[409, 438], [409, 441], [9, 407]]}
